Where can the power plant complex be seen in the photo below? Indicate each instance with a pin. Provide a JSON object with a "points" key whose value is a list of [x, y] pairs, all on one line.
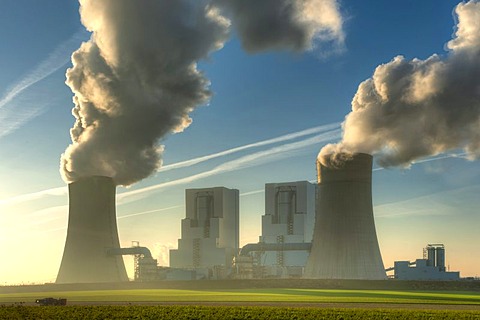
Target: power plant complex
{"points": [[317, 231]]}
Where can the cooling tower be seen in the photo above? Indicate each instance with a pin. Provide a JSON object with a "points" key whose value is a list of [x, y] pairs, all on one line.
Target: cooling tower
{"points": [[92, 230], [345, 244]]}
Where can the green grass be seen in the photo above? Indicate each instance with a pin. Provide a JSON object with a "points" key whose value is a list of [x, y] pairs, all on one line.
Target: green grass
{"points": [[255, 295], [202, 312]]}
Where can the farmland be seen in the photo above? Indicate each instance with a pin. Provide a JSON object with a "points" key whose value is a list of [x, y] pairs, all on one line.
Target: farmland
{"points": [[228, 302], [218, 312]]}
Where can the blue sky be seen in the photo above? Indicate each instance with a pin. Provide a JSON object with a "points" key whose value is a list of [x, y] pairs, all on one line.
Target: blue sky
{"points": [[257, 97]]}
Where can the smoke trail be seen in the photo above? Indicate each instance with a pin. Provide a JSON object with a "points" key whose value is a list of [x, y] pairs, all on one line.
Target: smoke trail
{"points": [[56, 59], [247, 161], [419, 108], [135, 81], [296, 25], [283, 138]]}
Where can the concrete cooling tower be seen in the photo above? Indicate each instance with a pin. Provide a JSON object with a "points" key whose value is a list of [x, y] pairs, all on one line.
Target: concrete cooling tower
{"points": [[92, 229], [345, 244]]}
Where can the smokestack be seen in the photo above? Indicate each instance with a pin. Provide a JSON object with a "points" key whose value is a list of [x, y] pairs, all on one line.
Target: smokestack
{"points": [[345, 244], [92, 229]]}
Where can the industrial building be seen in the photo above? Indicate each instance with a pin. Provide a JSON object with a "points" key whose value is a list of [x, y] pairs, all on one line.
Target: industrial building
{"points": [[92, 230], [345, 244], [287, 229], [431, 267], [209, 233], [324, 231]]}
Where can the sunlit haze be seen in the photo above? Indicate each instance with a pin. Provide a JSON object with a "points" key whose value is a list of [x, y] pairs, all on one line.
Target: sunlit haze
{"points": [[223, 104]]}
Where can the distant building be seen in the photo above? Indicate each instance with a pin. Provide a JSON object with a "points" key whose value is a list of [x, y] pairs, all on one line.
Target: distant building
{"points": [[431, 267], [421, 271], [210, 232], [289, 219]]}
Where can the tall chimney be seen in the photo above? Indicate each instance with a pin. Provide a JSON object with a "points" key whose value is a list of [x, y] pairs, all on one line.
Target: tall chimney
{"points": [[92, 229], [345, 244]]}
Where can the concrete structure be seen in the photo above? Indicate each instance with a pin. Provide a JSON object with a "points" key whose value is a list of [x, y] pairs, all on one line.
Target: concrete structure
{"points": [[420, 270], [210, 232], [435, 256], [289, 219], [431, 267], [92, 231], [345, 244]]}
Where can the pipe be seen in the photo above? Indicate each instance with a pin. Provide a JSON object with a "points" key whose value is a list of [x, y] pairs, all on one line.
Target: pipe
{"points": [[252, 247], [129, 251]]}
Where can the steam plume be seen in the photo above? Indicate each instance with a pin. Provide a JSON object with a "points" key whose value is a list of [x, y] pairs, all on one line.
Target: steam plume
{"points": [[135, 81], [285, 24], [418, 108]]}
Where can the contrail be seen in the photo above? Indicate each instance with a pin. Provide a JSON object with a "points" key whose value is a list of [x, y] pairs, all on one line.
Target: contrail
{"points": [[250, 160], [249, 193], [56, 60], [441, 157], [283, 138], [423, 205], [447, 156], [11, 120], [150, 211], [60, 191]]}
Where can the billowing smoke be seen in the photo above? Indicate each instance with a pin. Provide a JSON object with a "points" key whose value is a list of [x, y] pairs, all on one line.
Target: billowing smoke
{"points": [[135, 81], [419, 108], [285, 24]]}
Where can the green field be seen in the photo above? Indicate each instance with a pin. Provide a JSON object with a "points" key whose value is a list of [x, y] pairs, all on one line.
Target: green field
{"points": [[18, 305], [203, 312], [255, 295]]}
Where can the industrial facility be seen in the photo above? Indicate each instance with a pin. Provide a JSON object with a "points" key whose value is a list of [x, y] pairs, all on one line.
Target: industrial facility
{"points": [[287, 229], [317, 231], [210, 233], [345, 244], [92, 229], [431, 267]]}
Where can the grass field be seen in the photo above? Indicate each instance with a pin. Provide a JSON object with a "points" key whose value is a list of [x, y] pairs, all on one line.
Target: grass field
{"points": [[255, 295]]}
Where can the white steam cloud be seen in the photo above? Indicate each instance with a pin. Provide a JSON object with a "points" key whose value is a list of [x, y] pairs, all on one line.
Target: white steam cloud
{"points": [[295, 25], [419, 108], [136, 80]]}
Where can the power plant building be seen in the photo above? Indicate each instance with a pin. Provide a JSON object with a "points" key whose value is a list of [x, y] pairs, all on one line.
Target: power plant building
{"points": [[209, 233], [431, 267], [345, 244], [92, 232], [289, 219]]}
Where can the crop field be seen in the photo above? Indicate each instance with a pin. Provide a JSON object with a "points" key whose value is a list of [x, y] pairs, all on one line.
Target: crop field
{"points": [[244, 304], [204, 312]]}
